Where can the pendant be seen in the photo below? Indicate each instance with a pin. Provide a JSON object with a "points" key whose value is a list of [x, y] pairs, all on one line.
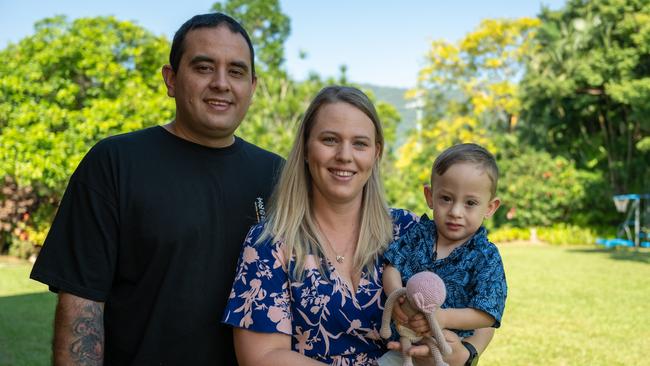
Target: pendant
{"points": [[340, 259]]}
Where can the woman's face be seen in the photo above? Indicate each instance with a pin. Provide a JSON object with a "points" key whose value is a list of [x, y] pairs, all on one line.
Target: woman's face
{"points": [[341, 152]]}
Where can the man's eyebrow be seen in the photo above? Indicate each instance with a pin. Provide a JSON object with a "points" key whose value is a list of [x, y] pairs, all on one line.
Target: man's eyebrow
{"points": [[240, 64], [201, 58]]}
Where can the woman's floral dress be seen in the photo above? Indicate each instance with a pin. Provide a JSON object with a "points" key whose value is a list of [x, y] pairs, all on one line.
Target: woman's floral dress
{"points": [[325, 319]]}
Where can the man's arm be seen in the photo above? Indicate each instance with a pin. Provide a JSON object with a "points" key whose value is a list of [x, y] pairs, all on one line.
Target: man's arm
{"points": [[78, 331]]}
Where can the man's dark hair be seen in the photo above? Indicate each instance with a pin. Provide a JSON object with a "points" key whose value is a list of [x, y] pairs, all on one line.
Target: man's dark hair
{"points": [[467, 153], [210, 20]]}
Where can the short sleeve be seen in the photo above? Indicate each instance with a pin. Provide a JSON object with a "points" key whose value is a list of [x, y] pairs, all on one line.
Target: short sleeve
{"points": [[403, 220], [411, 252], [80, 251], [490, 285], [260, 298]]}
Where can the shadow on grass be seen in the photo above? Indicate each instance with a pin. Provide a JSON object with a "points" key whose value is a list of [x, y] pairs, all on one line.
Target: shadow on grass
{"points": [[26, 329], [624, 254]]}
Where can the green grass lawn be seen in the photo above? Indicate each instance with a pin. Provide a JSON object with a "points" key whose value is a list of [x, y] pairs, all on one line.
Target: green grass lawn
{"points": [[574, 306], [566, 306], [26, 316]]}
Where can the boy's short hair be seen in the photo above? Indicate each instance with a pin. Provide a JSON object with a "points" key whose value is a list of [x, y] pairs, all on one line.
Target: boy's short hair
{"points": [[463, 153]]}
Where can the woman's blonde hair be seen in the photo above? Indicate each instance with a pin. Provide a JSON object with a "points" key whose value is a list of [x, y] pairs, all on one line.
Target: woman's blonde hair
{"points": [[290, 217]]}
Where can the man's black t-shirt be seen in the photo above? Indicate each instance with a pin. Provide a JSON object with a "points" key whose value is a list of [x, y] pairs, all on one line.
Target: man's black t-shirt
{"points": [[152, 225]]}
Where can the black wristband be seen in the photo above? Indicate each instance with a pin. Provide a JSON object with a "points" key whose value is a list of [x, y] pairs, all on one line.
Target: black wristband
{"points": [[473, 354]]}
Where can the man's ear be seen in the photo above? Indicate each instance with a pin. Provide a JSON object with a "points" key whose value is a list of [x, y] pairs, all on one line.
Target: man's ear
{"points": [[492, 207], [169, 76], [428, 194]]}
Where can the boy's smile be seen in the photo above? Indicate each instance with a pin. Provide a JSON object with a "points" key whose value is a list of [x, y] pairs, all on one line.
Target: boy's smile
{"points": [[460, 199]]}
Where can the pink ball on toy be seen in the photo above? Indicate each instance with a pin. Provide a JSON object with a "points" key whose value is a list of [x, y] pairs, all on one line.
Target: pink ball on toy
{"points": [[427, 289]]}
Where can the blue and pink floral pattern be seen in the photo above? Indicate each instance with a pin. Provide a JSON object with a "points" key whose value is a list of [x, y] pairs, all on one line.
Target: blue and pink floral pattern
{"points": [[326, 319]]}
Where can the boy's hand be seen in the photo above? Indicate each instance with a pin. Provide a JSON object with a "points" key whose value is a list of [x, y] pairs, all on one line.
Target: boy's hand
{"points": [[399, 316]]}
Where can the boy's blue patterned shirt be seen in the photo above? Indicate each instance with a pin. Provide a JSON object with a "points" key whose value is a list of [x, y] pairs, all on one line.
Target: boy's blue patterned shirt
{"points": [[473, 272]]}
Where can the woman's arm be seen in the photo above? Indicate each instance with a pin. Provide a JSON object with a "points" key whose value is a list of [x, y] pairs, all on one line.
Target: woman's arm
{"points": [[480, 340], [256, 348]]}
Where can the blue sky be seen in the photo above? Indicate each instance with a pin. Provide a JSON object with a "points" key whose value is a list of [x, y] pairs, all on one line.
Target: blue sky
{"points": [[382, 42]]}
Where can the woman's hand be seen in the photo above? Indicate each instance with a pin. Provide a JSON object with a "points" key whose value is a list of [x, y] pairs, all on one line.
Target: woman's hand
{"points": [[422, 354], [459, 354]]}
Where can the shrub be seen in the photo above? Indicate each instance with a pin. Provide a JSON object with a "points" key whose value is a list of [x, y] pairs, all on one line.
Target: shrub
{"points": [[558, 234], [506, 234], [564, 234], [538, 189]]}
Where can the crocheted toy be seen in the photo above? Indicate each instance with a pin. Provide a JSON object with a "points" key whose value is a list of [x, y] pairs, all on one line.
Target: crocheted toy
{"points": [[425, 292]]}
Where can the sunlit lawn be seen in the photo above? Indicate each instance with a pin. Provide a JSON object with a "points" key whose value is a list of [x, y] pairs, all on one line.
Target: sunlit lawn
{"points": [[566, 306], [574, 306], [26, 314]]}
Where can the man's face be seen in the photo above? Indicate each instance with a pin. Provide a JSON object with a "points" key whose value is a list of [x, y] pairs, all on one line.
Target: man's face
{"points": [[213, 85]]}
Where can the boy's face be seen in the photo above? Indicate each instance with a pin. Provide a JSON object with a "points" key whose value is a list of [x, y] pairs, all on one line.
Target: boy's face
{"points": [[460, 199]]}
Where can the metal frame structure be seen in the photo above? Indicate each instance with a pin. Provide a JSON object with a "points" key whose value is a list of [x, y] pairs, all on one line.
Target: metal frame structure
{"points": [[634, 231]]}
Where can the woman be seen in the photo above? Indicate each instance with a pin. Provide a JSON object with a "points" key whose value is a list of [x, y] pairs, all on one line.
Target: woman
{"points": [[308, 286]]}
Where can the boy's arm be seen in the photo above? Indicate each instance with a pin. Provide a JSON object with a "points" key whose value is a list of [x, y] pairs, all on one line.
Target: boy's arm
{"points": [[463, 319], [392, 280]]}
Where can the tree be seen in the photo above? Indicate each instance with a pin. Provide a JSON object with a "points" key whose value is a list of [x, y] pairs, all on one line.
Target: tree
{"points": [[73, 83], [61, 90], [587, 86], [267, 26], [467, 92]]}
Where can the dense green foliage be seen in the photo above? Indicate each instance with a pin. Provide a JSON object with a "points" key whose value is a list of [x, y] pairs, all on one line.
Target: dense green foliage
{"points": [[61, 90], [467, 93], [560, 99], [587, 87], [538, 189], [74, 83]]}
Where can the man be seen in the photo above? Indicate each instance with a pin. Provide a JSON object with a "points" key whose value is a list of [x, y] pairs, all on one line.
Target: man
{"points": [[143, 248]]}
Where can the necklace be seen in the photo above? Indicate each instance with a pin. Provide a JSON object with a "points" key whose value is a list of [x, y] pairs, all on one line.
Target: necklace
{"points": [[339, 258]]}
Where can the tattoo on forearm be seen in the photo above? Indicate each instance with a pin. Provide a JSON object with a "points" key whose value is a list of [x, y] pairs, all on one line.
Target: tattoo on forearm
{"points": [[87, 347]]}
